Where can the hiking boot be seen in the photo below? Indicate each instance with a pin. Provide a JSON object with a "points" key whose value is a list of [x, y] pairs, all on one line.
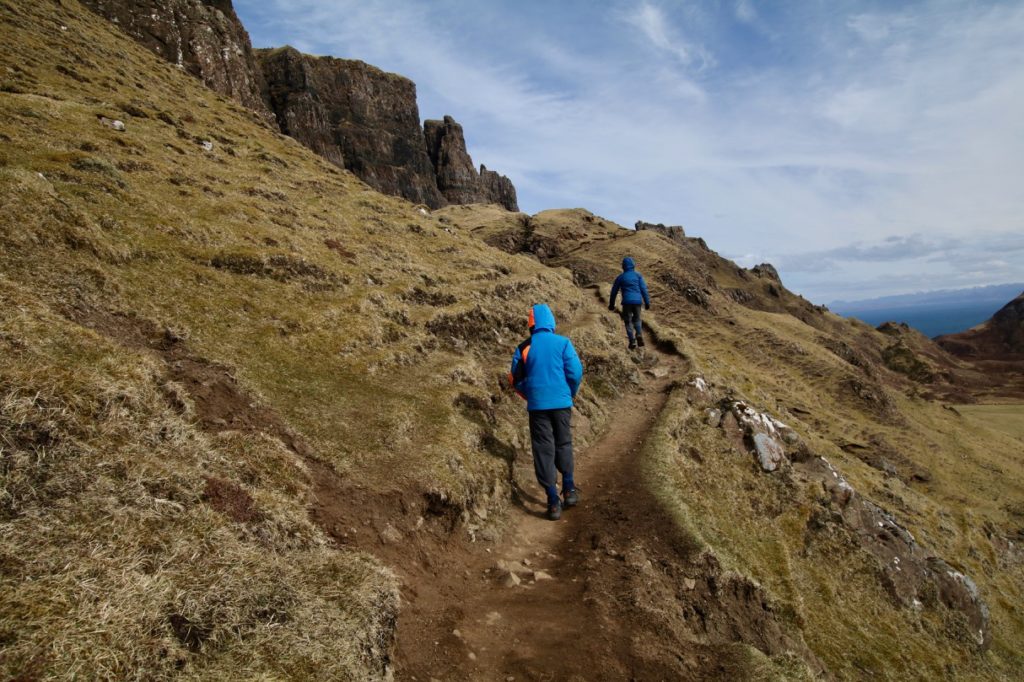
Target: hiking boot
{"points": [[571, 497], [554, 511], [632, 344], [640, 341]]}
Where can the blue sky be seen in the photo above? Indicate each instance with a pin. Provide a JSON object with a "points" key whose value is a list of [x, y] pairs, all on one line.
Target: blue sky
{"points": [[864, 148]]}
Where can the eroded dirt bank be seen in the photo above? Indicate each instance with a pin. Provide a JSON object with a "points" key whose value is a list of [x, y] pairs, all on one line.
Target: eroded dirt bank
{"points": [[613, 591]]}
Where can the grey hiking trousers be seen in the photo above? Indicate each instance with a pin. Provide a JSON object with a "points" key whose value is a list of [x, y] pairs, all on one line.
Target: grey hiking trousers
{"points": [[551, 438], [631, 318]]}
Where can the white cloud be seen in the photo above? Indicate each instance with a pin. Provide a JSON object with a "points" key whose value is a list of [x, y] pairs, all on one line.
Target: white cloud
{"points": [[656, 28], [746, 12], [874, 126], [874, 28]]}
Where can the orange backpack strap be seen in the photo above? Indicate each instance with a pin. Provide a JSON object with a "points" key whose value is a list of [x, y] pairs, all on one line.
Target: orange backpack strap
{"points": [[520, 371], [524, 352]]}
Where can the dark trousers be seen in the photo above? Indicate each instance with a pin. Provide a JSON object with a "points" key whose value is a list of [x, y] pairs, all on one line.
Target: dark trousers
{"points": [[631, 316], [551, 437]]}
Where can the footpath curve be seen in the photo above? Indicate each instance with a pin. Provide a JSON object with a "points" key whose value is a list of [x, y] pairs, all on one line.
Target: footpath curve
{"points": [[552, 620]]}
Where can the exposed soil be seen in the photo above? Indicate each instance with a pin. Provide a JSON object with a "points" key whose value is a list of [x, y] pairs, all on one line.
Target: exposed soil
{"points": [[221, 404], [231, 500], [621, 594], [548, 629], [627, 596]]}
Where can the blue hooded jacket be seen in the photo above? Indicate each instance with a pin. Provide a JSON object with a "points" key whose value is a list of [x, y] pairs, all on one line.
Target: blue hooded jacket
{"points": [[545, 368], [632, 284]]}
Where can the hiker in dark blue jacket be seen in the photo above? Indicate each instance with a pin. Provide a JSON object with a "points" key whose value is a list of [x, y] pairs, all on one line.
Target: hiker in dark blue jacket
{"points": [[634, 293], [547, 372]]}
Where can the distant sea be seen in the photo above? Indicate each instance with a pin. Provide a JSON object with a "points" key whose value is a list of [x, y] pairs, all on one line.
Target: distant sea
{"points": [[933, 313], [927, 320]]}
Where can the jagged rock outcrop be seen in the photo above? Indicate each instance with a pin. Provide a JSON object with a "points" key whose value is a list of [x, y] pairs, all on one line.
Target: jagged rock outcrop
{"points": [[675, 232], [457, 178], [766, 270], [912, 575], [203, 37], [355, 115], [498, 189]]}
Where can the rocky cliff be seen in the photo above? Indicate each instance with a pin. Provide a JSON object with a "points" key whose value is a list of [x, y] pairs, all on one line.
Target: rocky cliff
{"points": [[226, 351], [355, 115], [203, 37], [498, 189], [457, 178]]}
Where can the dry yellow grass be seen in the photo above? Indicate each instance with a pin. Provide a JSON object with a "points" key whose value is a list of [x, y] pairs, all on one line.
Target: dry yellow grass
{"points": [[959, 483], [368, 328], [380, 335], [1006, 417]]}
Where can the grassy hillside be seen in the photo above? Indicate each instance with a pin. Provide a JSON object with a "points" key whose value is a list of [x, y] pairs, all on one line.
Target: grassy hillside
{"points": [[953, 482], [240, 391], [205, 332]]}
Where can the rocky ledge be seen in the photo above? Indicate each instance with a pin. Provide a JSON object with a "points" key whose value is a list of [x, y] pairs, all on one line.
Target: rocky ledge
{"points": [[457, 178], [912, 575], [354, 115], [674, 232]]}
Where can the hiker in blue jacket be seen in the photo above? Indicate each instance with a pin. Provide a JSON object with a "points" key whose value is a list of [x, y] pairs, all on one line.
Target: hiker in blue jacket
{"points": [[546, 372], [634, 293]]}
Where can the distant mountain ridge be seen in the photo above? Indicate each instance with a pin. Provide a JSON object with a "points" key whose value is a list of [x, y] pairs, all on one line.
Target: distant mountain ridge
{"points": [[933, 313], [998, 293]]}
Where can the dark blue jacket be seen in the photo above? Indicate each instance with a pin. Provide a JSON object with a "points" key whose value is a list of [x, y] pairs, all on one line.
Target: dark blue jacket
{"points": [[632, 284], [545, 368]]}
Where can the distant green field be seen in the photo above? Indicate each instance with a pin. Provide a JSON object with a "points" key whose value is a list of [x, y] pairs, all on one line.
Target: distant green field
{"points": [[1007, 418]]}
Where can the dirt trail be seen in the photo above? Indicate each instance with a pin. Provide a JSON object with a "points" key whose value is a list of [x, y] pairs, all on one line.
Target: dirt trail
{"points": [[462, 621]]}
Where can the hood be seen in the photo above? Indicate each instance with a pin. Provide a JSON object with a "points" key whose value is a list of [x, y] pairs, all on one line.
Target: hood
{"points": [[627, 264], [541, 317]]}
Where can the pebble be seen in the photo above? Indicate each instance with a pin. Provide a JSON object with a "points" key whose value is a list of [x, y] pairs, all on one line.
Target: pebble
{"points": [[112, 123]]}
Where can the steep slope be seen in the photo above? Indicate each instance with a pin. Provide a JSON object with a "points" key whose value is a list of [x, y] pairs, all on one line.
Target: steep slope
{"points": [[227, 370], [872, 499], [252, 413], [353, 114], [1002, 336], [203, 37], [997, 346]]}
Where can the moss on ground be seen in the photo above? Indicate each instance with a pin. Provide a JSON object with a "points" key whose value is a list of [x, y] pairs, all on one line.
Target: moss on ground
{"points": [[353, 318], [380, 335], [955, 480]]}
